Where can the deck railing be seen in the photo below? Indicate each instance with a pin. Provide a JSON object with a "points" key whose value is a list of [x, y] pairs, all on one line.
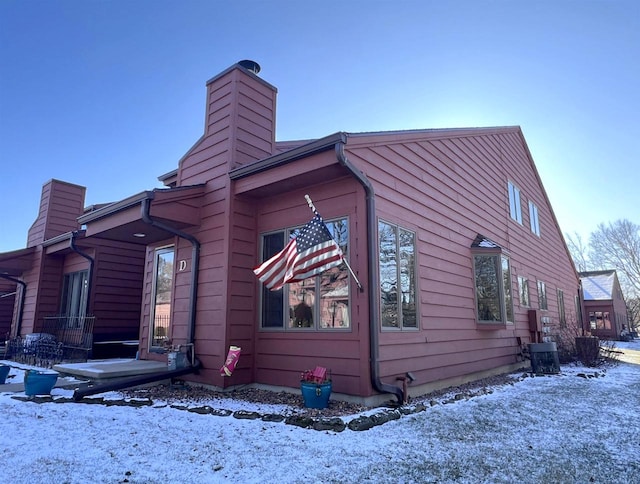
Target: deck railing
{"points": [[67, 338]]}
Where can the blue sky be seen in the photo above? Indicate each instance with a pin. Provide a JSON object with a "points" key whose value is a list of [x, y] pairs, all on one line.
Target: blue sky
{"points": [[110, 94]]}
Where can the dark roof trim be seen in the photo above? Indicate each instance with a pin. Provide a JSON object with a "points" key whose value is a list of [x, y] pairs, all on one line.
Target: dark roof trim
{"points": [[318, 146], [482, 242], [129, 202], [61, 238], [168, 175], [442, 131], [115, 207], [246, 71]]}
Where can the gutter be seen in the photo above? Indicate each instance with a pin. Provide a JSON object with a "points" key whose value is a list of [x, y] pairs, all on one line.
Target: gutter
{"points": [[23, 294], [72, 246], [374, 303], [195, 267]]}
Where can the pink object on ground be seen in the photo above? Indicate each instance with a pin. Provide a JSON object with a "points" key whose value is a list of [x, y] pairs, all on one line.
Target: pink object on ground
{"points": [[232, 360]]}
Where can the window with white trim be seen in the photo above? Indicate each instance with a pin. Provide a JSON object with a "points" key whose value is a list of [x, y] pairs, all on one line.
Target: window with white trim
{"points": [[534, 222], [515, 209]]}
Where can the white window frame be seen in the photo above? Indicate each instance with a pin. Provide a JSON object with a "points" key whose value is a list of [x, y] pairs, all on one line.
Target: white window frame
{"points": [[515, 206], [534, 221]]}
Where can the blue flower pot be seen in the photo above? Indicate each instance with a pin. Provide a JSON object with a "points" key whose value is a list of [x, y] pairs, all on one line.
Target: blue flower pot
{"points": [[39, 382], [4, 372], [315, 395]]}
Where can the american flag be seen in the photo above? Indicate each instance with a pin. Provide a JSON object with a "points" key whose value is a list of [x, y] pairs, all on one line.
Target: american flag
{"points": [[311, 251]]}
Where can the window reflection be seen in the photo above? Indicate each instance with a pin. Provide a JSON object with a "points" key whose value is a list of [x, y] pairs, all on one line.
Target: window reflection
{"points": [[487, 288], [397, 270], [297, 306]]}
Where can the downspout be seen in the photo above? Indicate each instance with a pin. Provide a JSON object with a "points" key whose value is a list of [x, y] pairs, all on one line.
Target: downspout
{"points": [[72, 246], [195, 267], [374, 303], [23, 294]]}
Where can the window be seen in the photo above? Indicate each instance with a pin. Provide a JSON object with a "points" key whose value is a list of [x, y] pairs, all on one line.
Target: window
{"points": [[75, 289], [542, 295], [523, 289], [515, 210], [599, 320], [159, 329], [561, 311], [533, 218], [316, 303], [506, 287], [397, 269], [493, 288]]}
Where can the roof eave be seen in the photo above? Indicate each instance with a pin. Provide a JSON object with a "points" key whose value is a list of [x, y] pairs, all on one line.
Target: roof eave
{"points": [[317, 146]]}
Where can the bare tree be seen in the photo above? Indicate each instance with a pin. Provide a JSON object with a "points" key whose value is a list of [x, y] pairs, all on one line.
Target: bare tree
{"points": [[617, 246], [633, 313], [579, 251]]}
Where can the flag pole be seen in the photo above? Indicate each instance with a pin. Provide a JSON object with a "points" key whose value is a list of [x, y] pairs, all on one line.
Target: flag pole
{"points": [[313, 209]]}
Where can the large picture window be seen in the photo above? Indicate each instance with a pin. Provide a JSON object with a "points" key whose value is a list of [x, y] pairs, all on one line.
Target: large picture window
{"points": [[316, 303], [397, 269]]}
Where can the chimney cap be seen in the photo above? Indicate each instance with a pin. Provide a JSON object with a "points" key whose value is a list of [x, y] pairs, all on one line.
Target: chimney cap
{"points": [[250, 65]]}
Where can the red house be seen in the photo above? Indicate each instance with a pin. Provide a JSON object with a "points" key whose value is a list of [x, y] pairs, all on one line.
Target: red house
{"points": [[449, 232], [83, 291], [605, 309]]}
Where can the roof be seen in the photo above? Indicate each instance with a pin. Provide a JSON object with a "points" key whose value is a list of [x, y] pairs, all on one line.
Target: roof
{"points": [[598, 286], [124, 221], [482, 242], [14, 263]]}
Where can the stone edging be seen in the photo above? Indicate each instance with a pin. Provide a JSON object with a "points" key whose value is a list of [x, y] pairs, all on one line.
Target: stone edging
{"points": [[334, 424]]}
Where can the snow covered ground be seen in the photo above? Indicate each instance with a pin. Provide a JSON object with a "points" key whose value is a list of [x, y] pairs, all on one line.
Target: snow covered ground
{"points": [[553, 429]]}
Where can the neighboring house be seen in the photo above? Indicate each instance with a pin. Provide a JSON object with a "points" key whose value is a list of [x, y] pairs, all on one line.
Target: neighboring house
{"points": [[7, 301], [449, 231], [605, 309], [64, 281]]}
